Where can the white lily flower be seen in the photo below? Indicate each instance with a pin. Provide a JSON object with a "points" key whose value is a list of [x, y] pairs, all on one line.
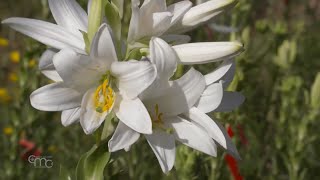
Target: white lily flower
{"points": [[70, 19], [95, 85], [154, 18], [172, 106], [176, 109]]}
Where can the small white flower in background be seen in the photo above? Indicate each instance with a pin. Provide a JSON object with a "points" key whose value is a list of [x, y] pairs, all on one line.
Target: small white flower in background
{"points": [[95, 85], [176, 108], [154, 18]]}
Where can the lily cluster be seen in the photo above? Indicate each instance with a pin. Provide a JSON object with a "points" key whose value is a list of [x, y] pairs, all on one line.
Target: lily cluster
{"points": [[97, 74]]}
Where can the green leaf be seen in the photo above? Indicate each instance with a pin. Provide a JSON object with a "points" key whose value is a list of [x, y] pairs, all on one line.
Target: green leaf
{"points": [[315, 93], [91, 164], [64, 174], [95, 18]]}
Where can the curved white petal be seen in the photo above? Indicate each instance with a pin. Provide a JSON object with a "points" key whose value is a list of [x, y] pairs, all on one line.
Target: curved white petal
{"points": [[45, 61], [192, 136], [103, 46], [70, 116], [122, 138], [219, 72], [78, 71], [55, 97], [180, 96], [133, 77], [151, 6], [69, 14], [178, 10], [164, 57], [208, 124], [163, 146], [231, 148], [161, 22], [174, 39], [134, 114], [46, 65], [90, 119], [229, 76], [230, 101], [211, 98], [192, 84], [135, 21], [47, 33], [205, 52], [202, 13]]}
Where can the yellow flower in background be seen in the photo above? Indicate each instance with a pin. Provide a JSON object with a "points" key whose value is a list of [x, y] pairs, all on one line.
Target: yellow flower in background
{"points": [[15, 56], [4, 95], [8, 130], [4, 42], [13, 77], [52, 149], [32, 63]]}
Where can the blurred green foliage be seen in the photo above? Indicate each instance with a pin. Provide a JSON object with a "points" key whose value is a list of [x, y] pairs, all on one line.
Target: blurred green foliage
{"points": [[276, 129]]}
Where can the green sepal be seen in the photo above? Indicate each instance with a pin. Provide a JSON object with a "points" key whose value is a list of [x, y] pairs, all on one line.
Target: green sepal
{"points": [[95, 17], [92, 164], [86, 41], [114, 20]]}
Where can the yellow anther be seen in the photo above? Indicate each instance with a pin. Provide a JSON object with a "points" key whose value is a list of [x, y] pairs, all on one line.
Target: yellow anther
{"points": [[104, 97]]}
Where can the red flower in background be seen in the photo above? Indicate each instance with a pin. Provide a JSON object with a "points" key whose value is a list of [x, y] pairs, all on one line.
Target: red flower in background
{"points": [[232, 162], [29, 148]]}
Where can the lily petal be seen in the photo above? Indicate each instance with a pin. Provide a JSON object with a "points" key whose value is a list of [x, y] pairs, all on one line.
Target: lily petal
{"points": [[219, 72], [161, 23], [229, 76], [55, 97], [70, 116], [163, 146], [122, 138], [46, 65], [134, 114], [47, 33], [178, 10], [200, 53], [231, 148], [78, 71], [103, 46], [202, 13], [208, 124], [192, 136], [90, 119], [211, 98], [69, 14], [230, 101], [151, 6], [135, 21], [180, 96], [176, 39], [164, 57], [133, 76]]}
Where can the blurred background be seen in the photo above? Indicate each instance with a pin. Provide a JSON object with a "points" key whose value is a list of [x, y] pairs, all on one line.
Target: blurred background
{"points": [[276, 130]]}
